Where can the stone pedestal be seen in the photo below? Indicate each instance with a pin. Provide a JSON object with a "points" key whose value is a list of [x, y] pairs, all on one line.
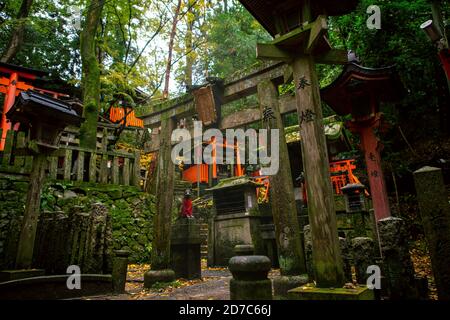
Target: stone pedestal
{"points": [[250, 280], [119, 270], [10, 275], [311, 293], [308, 251], [282, 285], [363, 256], [244, 250], [346, 259], [185, 252], [227, 231], [152, 277], [269, 243], [397, 259], [435, 212]]}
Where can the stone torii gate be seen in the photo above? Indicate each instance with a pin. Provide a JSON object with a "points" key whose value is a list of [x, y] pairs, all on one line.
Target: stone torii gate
{"points": [[261, 81]]}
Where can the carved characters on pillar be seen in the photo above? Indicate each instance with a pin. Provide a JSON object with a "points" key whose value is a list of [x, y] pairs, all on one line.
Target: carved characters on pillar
{"points": [[307, 116], [268, 114], [303, 83]]}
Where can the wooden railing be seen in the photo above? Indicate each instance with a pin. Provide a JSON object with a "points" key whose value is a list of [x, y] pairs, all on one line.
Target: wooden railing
{"points": [[72, 163]]}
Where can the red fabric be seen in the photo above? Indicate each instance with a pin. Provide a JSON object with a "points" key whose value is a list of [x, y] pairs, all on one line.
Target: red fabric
{"points": [[186, 209]]}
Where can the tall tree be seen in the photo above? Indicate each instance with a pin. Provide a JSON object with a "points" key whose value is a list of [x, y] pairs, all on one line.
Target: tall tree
{"points": [[190, 17], [91, 75], [16, 39], [170, 49]]}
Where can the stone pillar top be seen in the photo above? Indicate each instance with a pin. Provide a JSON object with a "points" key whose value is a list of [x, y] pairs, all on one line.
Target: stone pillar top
{"points": [[427, 169]]}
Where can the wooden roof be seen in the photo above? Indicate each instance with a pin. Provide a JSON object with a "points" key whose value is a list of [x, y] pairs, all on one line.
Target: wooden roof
{"points": [[265, 10], [358, 81]]}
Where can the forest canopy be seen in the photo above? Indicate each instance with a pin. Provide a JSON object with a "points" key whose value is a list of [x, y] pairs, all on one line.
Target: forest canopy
{"points": [[164, 47]]}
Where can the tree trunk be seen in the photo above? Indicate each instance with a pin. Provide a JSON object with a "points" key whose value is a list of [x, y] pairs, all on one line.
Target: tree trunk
{"points": [[173, 32], [91, 75], [189, 46], [436, 8], [17, 33]]}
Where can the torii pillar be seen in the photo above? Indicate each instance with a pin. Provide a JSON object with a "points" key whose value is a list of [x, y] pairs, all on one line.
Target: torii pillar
{"points": [[299, 30]]}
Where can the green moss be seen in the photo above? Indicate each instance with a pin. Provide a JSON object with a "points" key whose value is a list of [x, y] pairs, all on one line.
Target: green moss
{"points": [[131, 219]]}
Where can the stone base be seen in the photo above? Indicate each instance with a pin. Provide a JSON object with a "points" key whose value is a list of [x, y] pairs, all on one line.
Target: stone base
{"points": [[55, 287], [311, 293], [10, 275], [153, 276], [250, 290], [282, 284], [185, 250]]}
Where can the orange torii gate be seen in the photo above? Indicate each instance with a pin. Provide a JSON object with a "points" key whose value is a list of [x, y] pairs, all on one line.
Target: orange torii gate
{"points": [[11, 86]]}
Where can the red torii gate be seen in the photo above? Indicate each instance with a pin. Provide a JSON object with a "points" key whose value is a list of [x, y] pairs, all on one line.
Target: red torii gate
{"points": [[11, 86], [359, 91]]}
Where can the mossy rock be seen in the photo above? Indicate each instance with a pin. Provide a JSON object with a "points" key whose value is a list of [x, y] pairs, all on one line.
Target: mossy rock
{"points": [[11, 195], [5, 184], [115, 194], [121, 204]]}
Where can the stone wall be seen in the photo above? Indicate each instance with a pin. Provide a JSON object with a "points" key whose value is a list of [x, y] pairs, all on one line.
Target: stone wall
{"points": [[130, 209]]}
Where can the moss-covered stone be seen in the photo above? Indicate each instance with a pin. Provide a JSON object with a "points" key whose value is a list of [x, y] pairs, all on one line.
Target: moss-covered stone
{"points": [[312, 293], [130, 217]]}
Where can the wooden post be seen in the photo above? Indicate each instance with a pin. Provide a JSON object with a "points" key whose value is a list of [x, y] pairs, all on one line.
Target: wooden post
{"points": [[67, 164], [32, 208], [53, 168], [104, 146], [287, 232], [104, 169], [137, 168], [8, 143], [327, 261], [20, 161], [115, 170], [126, 172], [164, 198], [80, 167], [93, 167]]}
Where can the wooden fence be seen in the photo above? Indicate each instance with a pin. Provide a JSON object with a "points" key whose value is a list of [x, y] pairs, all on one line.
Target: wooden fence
{"points": [[71, 163]]}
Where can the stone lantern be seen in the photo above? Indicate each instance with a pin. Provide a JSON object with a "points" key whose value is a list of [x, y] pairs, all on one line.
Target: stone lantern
{"points": [[236, 220], [355, 200], [45, 118]]}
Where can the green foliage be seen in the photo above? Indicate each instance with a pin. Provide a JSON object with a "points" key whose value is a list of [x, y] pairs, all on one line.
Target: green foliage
{"points": [[50, 42], [231, 42]]}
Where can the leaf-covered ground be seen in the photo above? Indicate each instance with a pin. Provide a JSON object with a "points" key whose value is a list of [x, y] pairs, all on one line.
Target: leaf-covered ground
{"points": [[422, 265], [214, 284]]}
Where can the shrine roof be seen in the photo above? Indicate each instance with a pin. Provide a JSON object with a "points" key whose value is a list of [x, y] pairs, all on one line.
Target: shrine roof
{"points": [[358, 81], [41, 106], [234, 182], [7, 68], [264, 10]]}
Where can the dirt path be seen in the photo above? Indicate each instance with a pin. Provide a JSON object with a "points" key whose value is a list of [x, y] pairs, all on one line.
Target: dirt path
{"points": [[214, 285]]}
